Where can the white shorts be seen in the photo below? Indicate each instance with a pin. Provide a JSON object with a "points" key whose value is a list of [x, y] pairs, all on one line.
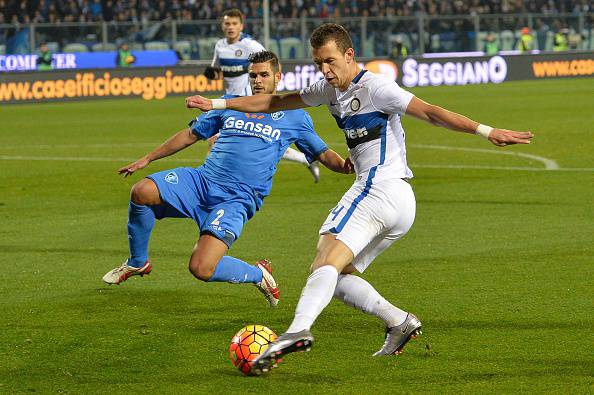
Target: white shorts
{"points": [[370, 217]]}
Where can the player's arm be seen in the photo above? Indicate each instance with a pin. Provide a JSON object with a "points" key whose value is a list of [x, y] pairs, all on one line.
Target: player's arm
{"points": [[256, 103], [441, 117], [175, 143], [335, 162]]}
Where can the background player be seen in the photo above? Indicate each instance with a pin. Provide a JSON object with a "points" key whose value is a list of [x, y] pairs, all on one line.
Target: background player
{"points": [[230, 62], [380, 206], [225, 192]]}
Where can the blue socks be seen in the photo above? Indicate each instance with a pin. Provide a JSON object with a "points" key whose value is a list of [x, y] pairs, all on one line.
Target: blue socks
{"points": [[141, 221], [235, 270]]}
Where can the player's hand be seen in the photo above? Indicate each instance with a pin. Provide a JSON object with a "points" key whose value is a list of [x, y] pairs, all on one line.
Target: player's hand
{"points": [[199, 102], [348, 167], [503, 137], [212, 73], [134, 166]]}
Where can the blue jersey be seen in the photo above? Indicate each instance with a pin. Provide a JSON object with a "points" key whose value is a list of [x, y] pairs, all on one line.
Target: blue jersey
{"points": [[250, 145]]}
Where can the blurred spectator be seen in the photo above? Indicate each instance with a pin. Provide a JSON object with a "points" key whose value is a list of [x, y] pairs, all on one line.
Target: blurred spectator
{"points": [[44, 59], [491, 46], [561, 40], [399, 50], [526, 43], [542, 30], [96, 9], [124, 57]]}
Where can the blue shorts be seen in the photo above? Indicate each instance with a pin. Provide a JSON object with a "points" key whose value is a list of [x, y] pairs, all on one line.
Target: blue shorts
{"points": [[219, 210]]}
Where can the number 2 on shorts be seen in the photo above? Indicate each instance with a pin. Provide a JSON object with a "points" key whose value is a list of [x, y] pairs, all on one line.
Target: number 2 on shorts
{"points": [[220, 213]]}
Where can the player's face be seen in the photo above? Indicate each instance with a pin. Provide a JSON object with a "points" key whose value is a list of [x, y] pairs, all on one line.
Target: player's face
{"points": [[232, 27], [334, 64], [263, 79]]}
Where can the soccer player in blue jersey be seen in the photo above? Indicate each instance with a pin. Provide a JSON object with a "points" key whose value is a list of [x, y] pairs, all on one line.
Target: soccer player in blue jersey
{"points": [[227, 190]]}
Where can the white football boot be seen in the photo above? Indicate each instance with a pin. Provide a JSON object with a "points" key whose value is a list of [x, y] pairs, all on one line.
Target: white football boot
{"points": [[122, 273], [267, 285]]}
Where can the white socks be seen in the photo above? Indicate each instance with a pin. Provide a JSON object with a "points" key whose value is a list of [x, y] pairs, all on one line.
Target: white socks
{"points": [[358, 293], [295, 156], [315, 296]]}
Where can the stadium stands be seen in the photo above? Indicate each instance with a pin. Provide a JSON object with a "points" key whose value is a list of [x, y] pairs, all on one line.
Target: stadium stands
{"points": [[39, 11], [191, 27]]}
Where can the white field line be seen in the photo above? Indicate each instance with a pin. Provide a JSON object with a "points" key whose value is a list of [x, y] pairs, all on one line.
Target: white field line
{"points": [[90, 159], [549, 164]]}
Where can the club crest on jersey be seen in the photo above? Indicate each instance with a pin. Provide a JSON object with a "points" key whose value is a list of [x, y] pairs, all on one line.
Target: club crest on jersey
{"points": [[171, 178], [238, 53], [277, 115], [355, 104]]}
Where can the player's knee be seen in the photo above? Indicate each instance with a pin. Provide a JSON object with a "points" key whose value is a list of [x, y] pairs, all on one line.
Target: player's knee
{"points": [[145, 192], [200, 269]]}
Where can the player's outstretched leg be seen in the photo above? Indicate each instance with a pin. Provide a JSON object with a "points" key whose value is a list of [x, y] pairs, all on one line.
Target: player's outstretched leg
{"points": [[400, 325], [141, 221], [296, 156], [315, 296]]}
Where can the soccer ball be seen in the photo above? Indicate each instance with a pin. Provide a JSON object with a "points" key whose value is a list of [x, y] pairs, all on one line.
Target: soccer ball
{"points": [[248, 344]]}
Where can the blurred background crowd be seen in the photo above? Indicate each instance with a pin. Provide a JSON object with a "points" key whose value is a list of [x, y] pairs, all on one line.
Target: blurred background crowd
{"points": [[51, 11], [378, 27]]}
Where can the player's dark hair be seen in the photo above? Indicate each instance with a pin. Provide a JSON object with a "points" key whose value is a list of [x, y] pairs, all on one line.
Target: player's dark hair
{"points": [[265, 56], [233, 12], [331, 31]]}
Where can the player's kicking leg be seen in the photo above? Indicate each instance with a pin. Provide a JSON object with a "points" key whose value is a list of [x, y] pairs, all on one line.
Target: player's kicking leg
{"points": [[331, 258], [296, 156], [141, 220]]}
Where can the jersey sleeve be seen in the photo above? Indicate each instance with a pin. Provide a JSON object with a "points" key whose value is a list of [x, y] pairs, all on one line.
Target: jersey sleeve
{"points": [[207, 124], [256, 47], [309, 142], [215, 57], [388, 97], [315, 94]]}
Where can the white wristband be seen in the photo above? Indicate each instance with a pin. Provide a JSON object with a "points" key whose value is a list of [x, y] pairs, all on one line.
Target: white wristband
{"points": [[219, 104], [484, 130]]}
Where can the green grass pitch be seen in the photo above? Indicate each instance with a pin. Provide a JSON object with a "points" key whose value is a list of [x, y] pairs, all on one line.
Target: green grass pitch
{"points": [[499, 264]]}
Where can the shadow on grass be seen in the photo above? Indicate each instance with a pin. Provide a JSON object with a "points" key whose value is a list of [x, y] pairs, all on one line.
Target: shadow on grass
{"points": [[280, 374]]}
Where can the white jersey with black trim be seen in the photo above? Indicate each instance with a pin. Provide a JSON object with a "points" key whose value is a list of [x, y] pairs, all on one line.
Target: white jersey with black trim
{"points": [[369, 113], [233, 61]]}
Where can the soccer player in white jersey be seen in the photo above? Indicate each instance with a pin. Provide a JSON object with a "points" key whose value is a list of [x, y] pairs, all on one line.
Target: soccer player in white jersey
{"points": [[380, 206], [231, 61]]}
